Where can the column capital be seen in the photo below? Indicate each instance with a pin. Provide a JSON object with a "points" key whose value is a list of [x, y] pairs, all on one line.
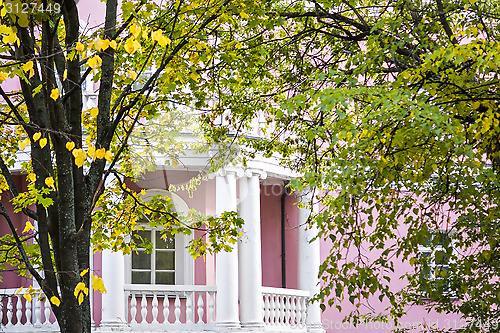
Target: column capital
{"points": [[229, 170], [250, 172]]}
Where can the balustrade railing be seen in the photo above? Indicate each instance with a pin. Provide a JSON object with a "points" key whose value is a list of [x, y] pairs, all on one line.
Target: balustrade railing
{"points": [[285, 309], [20, 313], [159, 307]]}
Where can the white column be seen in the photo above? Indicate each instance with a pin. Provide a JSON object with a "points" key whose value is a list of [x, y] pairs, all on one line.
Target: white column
{"points": [[227, 262], [249, 247], [308, 262], [113, 302]]}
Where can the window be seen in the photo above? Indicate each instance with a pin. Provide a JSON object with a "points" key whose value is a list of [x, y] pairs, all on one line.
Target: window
{"points": [[157, 267], [168, 261], [435, 256]]}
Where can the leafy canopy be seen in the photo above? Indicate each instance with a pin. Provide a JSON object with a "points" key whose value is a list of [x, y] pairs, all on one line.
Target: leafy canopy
{"points": [[87, 109], [390, 109]]}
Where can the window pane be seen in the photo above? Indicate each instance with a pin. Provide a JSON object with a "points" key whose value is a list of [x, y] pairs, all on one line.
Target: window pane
{"points": [[167, 242], [165, 260], [141, 260], [165, 278], [145, 234], [141, 277]]}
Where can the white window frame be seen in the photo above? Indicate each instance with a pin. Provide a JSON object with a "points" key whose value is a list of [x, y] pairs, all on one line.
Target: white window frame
{"points": [[184, 263], [432, 253]]}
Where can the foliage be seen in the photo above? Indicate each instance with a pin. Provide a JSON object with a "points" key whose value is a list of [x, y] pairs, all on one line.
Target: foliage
{"points": [[144, 64], [390, 109]]}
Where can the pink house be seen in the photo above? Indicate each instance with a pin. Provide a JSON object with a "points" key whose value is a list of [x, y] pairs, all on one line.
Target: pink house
{"points": [[262, 285]]}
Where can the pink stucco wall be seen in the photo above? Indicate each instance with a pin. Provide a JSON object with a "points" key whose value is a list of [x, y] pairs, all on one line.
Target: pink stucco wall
{"points": [[271, 237], [10, 277]]}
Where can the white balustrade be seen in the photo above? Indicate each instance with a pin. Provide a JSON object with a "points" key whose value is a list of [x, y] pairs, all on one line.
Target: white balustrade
{"points": [[19, 314], [284, 309], [193, 306]]}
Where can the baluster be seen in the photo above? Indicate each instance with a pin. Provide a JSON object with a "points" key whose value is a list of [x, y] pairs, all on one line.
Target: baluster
{"points": [[19, 309], [279, 308], [201, 311], [303, 306], [267, 312], [27, 306], [282, 309], [292, 311], [211, 306], [189, 307], [272, 309], [46, 311], [288, 309], [133, 308], [38, 310], [154, 303], [177, 310], [166, 310], [144, 309], [10, 311], [298, 312]]}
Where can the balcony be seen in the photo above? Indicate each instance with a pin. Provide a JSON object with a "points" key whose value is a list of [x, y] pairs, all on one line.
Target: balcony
{"points": [[189, 308]]}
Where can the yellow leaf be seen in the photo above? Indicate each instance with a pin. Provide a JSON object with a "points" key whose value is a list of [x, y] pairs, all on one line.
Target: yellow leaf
{"points": [[22, 145], [143, 192], [156, 34], [94, 61], [18, 291], [80, 160], [49, 181], [65, 75], [135, 30], [91, 150], [27, 66], [28, 297], [32, 177], [43, 142], [108, 156], [80, 287], [36, 136], [113, 44], [132, 75], [94, 112], [85, 271], [163, 41], [76, 152], [28, 227], [54, 94], [194, 76], [70, 145], [10, 38], [244, 15], [104, 44], [54, 300], [97, 284], [79, 47], [131, 46], [80, 156], [100, 153], [80, 299], [4, 76]]}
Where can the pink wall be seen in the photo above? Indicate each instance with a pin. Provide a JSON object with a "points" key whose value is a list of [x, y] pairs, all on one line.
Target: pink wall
{"points": [[10, 277], [271, 237], [416, 316]]}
